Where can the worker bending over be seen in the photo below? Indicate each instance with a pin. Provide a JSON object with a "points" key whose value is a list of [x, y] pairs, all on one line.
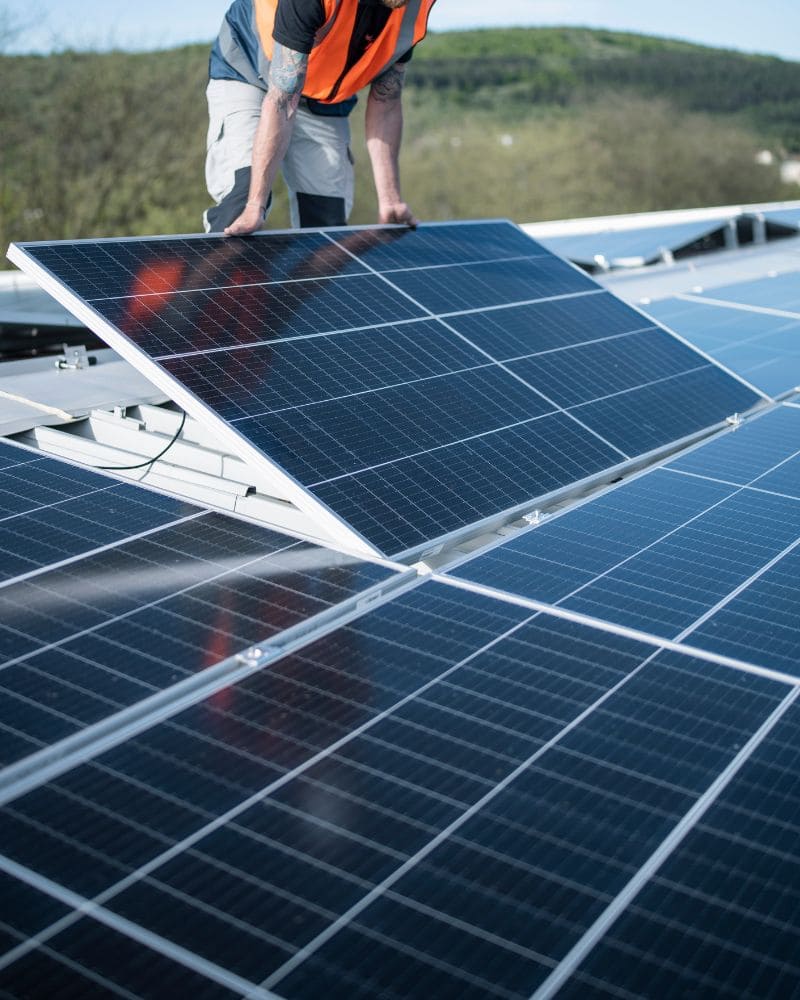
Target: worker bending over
{"points": [[284, 75]]}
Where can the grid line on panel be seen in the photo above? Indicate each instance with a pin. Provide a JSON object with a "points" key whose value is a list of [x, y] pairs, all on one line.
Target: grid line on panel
{"points": [[416, 382], [624, 631], [435, 448], [133, 611], [587, 293], [500, 364], [767, 310], [581, 949], [55, 503], [635, 388], [740, 589], [233, 348], [577, 345], [222, 820], [101, 549], [349, 916], [20, 951], [83, 908]]}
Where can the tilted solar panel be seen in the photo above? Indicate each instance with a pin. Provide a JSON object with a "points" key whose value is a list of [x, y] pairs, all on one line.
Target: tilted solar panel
{"points": [[396, 380]]}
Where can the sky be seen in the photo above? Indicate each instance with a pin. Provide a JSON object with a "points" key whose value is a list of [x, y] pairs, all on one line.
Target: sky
{"points": [[771, 26]]}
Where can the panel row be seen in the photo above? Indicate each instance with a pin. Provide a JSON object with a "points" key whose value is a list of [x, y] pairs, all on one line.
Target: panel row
{"points": [[438, 799]]}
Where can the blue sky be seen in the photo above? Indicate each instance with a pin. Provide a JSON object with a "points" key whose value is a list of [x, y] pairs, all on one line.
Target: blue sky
{"points": [[771, 26]]}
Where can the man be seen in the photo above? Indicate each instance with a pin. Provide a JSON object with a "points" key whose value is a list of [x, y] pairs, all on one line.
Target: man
{"points": [[283, 78]]}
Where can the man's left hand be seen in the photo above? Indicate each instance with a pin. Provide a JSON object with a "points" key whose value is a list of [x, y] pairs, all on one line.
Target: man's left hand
{"points": [[250, 221], [398, 212]]}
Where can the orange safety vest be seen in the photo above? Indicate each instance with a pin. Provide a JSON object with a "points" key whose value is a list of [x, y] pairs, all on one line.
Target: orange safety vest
{"points": [[328, 79]]}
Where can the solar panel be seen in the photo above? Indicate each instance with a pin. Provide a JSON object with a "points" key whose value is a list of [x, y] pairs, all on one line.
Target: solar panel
{"points": [[666, 550], [51, 511], [780, 292], [419, 789], [720, 916], [369, 371], [439, 798], [634, 247], [762, 348], [113, 593]]}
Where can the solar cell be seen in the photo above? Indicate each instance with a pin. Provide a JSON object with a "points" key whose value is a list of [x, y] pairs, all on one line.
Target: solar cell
{"points": [[81, 642], [762, 348], [436, 799], [659, 553], [782, 291], [51, 511], [757, 450], [719, 917], [401, 412]]}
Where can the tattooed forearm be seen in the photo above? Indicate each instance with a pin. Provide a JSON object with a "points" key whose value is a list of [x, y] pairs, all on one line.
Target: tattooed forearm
{"points": [[287, 71], [389, 85]]}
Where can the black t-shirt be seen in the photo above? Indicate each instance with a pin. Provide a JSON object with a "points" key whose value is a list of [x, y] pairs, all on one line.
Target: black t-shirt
{"points": [[298, 21]]}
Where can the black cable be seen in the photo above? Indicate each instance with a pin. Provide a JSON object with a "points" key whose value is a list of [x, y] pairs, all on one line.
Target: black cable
{"points": [[141, 465]]}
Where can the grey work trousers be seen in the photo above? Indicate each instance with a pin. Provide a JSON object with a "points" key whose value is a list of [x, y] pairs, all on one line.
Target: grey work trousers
{"points": [[317, 168]]}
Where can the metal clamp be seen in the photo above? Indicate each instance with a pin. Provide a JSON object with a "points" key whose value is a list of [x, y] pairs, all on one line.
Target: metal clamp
{"points": [[74, 359]]}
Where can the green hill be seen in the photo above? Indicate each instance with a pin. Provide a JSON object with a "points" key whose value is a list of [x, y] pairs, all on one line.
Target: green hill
{"points": [[523, 123]]}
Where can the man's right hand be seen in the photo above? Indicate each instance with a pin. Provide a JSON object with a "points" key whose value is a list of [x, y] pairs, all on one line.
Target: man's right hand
{"points": [[250, 221]]}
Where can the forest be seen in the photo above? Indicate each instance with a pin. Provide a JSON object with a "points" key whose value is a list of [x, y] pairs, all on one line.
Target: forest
{"points": [[528, 124]]}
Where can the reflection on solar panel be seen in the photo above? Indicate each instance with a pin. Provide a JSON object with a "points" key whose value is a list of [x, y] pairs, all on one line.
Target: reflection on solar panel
{"points": [[414, 816], [636, 247], [397, 381], [112, 593], [762, 348]]}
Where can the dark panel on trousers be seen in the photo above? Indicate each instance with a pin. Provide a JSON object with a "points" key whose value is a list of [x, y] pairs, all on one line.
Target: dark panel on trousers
{"points": [[199, 321], [105, 269], [90, 959], [297, 861], [672, 584], [475, 286], [720, 916], [256, 380], [345, 436], [98, 822], [750, 452], [426, 246], [519, 331], [513, 888], [595, 371], [408, 502], [568, 552], [644, 419]]}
